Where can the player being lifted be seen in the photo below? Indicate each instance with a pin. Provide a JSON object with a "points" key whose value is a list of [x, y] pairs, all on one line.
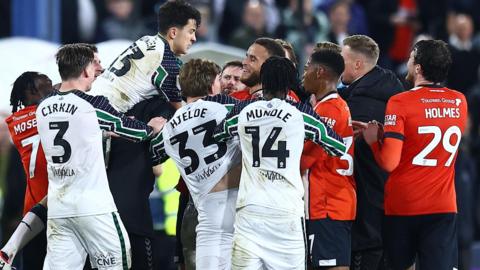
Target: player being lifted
{"points": [[421, 135], [210, 169], [270, 209], [150, 66]]}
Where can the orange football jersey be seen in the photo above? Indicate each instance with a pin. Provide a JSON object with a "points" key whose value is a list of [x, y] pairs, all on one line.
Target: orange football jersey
{"points": [[430, 121], [331, 187], [23, 130]]}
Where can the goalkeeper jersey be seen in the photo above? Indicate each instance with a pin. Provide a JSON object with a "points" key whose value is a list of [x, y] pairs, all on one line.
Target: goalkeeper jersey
{"points": [[188, 139], [145, 69], [69, 125], [271, 135]]}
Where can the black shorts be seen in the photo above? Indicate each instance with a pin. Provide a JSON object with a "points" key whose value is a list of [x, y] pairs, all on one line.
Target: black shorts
{"points": [[142, 252], [432, 239], [329, 242]]}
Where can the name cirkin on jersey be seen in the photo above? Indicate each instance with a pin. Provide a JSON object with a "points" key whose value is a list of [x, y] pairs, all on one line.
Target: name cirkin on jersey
{"points": [[259, 113], [188, 115], [59, 107]]}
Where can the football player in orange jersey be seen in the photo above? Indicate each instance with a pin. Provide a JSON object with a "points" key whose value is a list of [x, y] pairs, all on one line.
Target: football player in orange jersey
{"points": [[421, 135], [28, 89], [331, 187], [256, 55]]}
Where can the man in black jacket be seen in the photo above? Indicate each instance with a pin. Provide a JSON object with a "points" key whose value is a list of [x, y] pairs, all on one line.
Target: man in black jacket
{"points": [[366, 87]]}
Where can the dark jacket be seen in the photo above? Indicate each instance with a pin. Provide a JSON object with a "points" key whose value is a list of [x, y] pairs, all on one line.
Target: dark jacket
{"points": [[367, 98]]}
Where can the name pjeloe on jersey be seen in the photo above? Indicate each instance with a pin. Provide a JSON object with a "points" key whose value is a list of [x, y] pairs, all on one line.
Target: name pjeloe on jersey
{"points": [[176, 120], [188, 140]]}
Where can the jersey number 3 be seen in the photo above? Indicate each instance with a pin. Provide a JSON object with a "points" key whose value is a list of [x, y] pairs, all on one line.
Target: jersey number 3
{"points": [[421, 160], [62, 127]]}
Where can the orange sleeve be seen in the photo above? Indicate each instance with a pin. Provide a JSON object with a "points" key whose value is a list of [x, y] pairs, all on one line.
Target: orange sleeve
{"points": [[388, 154]]}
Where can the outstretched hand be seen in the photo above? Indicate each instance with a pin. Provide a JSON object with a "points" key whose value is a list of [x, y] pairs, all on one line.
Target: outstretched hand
{"points": [[358, 127], [157, 124], [373, 132]]}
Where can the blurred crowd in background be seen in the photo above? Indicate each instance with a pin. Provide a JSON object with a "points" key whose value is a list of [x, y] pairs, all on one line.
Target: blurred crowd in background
{"points": [[394, 24]]}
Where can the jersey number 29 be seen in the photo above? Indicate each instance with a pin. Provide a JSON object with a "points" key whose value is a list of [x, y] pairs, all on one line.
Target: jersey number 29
{"points": [[421, 160]]}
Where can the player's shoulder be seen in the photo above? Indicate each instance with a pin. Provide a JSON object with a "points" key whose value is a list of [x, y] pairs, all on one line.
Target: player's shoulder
{"points": [[151, 44], [221, 99]]}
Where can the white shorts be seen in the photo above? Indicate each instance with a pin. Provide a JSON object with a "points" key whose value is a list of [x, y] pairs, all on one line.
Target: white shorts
{"points": [[216, 215], [102, 237], [263, 241]]}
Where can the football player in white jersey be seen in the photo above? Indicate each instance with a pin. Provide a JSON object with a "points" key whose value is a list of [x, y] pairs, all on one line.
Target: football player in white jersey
{"points": [[150, 66], [82, 216], [269, 229], [210, 169]]}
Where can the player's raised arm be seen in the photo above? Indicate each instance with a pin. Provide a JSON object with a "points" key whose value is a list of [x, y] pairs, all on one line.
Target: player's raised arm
{"points": [[318, 132], [111, 120]]}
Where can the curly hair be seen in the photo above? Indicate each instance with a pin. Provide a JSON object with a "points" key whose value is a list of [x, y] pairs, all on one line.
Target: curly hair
{"points": [[278, 75], [176, 14], [435, 59]]}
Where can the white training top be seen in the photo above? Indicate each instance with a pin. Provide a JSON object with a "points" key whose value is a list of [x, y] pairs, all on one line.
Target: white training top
{"points": [[69, 125], [145, 69], [188, 139], [272, 134]]}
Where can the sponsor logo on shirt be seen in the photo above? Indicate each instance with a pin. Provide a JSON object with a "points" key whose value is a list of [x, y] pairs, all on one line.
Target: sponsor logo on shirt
{"points": [[390, 120], [105, 261]]}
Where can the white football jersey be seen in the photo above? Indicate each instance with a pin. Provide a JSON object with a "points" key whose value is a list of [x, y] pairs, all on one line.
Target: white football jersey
{"points": [[145, 69], [188, 139], [272, 134], [69, 125]]}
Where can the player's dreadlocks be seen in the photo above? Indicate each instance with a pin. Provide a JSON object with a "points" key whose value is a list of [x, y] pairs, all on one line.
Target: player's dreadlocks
{"points": [[278, 75], [22, 84]]}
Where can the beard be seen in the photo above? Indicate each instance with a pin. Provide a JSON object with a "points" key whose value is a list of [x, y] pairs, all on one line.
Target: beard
{"points": [[251, 80], [409, 78]]}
